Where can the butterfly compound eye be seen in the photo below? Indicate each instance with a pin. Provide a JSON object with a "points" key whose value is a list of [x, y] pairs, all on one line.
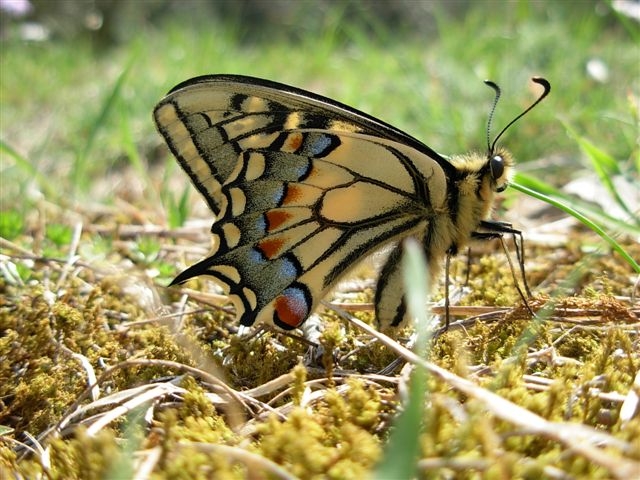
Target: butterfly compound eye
{"points": [[496, 164]]}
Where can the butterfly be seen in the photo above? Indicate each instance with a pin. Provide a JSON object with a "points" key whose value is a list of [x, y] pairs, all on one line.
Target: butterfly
{"points": [[304, 187]]}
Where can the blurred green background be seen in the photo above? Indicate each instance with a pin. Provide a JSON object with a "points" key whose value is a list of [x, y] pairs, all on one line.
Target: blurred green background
{"points": [[79, 80]]}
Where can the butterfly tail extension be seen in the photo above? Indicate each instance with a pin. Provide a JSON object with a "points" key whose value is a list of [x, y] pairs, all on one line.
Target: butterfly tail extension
{"points": [[271, 296], [195, 270]]}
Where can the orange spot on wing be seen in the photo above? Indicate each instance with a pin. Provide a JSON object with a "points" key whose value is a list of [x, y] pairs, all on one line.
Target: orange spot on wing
{"points": [[293, 193], [275, 218], [290, 311], [294, 142], [271, 248]]}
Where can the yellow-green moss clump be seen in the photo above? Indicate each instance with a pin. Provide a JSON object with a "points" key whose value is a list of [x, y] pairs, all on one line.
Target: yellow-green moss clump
{"points": [[335, 441], [234, 407]]}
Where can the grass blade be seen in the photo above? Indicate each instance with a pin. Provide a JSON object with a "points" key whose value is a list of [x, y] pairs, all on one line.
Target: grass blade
{"points": [[605, 166], [403, 445], [522, 180], [80, 164], [583, 219], [27, 166]]}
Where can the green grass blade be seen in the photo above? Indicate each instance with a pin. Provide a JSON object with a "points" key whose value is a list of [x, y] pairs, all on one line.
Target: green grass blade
{"points": [[583, 219], [129, 145], [625, 226], [28, 168], [605, 166], [630, 25], [403, 446], [80, 165]]}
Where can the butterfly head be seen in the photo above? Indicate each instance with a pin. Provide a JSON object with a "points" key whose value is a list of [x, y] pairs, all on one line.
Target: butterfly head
{"points": [[499, 170], [481, 176]]}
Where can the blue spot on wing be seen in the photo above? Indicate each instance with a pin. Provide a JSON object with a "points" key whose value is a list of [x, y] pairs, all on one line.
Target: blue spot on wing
{"points": [[319, 145], [256, 257], [279, 194], [289, 268]]}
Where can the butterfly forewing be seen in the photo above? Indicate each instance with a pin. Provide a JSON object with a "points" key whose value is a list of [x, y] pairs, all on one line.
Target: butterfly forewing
{"points": [[207, 119]]}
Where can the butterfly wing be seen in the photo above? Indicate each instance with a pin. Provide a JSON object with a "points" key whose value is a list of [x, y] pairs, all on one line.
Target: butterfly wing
{"points": [[302, 187]]}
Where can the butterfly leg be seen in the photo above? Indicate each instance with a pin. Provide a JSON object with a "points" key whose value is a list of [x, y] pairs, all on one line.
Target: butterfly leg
{"points": [[447, 265], [496, 229]]}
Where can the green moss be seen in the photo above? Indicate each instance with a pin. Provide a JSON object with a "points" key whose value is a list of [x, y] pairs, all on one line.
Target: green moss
{"points": [[258, 360], [359, 406], [299, 388], [178, 427], [306, 449], [190, 463], [85, 456], [338, 436]]}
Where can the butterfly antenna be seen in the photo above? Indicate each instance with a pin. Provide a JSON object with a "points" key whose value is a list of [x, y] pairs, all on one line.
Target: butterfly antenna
{"points": [[540, 81], [496, 89]]}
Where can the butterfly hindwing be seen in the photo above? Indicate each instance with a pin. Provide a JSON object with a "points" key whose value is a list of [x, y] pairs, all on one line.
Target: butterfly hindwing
{"points": [[292, 222]]}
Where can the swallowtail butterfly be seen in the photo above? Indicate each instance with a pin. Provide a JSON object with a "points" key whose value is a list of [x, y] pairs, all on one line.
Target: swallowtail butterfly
{"points": [[303, 187]]}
